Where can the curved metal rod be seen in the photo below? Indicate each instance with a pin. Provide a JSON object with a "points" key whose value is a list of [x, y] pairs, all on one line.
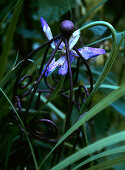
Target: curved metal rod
{"points": [[17, 103], [43, 45], [85, 89], [26, 93], [71, 87], [24, 63], [53, 88], [42, 74], [79, 93], [22, 79], [51, 128], [87, 66], [54, 79], [35, 133], [77, 71], [48, 85]]}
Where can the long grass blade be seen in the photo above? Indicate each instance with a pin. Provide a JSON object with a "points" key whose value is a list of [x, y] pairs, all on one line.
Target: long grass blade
{"points": [[117, 150], [91, 113], [8, 40], [93, 148], [109, 163]]}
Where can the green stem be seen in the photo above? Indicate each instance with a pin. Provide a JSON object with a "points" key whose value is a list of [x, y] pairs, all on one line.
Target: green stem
{"points": [[109, 62], [111, 57]]}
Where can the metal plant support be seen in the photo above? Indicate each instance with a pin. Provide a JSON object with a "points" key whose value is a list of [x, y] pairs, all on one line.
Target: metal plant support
{"points": [[26, 92]]}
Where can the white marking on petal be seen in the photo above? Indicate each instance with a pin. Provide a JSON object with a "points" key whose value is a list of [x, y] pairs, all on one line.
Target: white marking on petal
{"points": [[74, 38]]}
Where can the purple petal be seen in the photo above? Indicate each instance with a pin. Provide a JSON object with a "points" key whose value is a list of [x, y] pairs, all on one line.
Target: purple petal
{"points": [[46, 29], [89, 52], [64, 68], [52, 66]]}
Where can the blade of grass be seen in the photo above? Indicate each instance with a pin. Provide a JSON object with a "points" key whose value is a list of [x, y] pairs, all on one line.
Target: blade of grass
{"points": [[91, 113], [106, 86], [22, 124], [117, 150], [91, 149], [109, 163], [11, 8], [9, 36]]}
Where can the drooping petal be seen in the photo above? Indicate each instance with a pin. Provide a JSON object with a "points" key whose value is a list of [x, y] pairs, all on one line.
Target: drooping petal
{"points": [[74, 38], [89, 52], [61, 60], [64, 68], [55, 64], [52, 66], [46, 29]]}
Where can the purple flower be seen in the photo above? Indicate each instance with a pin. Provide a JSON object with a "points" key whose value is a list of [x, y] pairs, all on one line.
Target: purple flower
{"points": [[61, 63]]}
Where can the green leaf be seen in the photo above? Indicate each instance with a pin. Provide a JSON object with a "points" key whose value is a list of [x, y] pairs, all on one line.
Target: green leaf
{"points": [[9, 37]]}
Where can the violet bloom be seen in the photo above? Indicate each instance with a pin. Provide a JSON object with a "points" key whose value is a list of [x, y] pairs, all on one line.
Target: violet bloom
{"points": [[61, 63]]}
